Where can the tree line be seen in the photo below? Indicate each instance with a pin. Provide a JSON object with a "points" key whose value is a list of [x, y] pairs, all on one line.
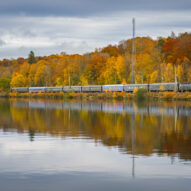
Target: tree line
{"points": [[162, 60]]}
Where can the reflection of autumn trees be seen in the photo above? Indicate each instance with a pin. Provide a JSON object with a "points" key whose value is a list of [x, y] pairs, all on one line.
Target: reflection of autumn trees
{"points": [[178, 141], [153, 133], [5, 117]]}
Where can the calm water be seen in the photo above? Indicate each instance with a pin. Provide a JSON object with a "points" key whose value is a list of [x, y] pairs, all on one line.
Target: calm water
{"points": [[56, 145]]}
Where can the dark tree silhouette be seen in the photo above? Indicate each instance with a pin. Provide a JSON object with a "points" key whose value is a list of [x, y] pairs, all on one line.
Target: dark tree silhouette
{"points": [[31, 58]]}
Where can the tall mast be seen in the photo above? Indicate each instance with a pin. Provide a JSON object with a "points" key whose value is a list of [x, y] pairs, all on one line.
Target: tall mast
{"points": [[133, 77]]}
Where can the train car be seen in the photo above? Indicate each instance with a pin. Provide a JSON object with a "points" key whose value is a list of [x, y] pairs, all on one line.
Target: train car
{"points": [[163, 87], [93, 88], [112, 88], [131, 87], [37, 89], [185, 87], [72, 88], [53, 89], [20, 89]]}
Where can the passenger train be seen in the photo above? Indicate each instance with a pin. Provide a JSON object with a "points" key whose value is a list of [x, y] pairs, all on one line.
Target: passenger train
{"points": [[155, 87]]}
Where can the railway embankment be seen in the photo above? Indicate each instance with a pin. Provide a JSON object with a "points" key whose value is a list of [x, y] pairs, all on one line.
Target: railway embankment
{"points": [[141, 95]]}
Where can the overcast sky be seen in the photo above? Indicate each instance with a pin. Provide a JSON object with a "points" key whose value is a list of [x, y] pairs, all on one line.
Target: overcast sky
{"points": [[80, 26]]}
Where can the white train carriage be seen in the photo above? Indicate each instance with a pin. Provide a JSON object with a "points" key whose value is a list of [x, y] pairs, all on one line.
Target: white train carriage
{"points": [[72, 88], [163, 87], [185, 87], [93, 88], [54, 89], [20, 89], [131, 87], [37, 89], [112, 88]]}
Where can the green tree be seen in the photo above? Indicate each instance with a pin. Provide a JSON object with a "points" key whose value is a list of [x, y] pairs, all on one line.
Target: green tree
{"points": [[4, 84], [31, 58]]}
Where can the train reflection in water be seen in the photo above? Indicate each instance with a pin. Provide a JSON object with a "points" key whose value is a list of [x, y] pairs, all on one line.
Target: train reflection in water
{"points": [[109, 107]]}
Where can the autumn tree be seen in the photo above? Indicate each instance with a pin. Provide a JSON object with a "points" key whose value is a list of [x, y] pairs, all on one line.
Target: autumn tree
{"points": [[169, 73], [110, 74], [154, 77], [43, 74], [111, 51], [94, 68], [18, 80], [156, 61], [180, 73]]}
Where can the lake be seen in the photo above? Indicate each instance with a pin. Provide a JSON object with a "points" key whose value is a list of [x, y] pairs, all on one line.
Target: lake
{"points": [[50, 145]]}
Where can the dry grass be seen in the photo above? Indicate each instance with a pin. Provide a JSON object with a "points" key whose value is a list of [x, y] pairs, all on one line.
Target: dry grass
{"points": [[104, 95]]}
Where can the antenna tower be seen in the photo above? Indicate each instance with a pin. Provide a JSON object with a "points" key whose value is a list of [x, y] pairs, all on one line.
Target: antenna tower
{"points": [[133, 77]]}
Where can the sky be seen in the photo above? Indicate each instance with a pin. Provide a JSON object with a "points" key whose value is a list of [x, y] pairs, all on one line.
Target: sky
{"points": [[80, 26]]}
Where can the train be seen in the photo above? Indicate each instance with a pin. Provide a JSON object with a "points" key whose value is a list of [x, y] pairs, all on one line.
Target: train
{"points": [[154, 87]]}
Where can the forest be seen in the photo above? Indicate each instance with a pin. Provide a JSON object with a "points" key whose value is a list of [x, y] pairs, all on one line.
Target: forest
{"points": [[162, 60]]}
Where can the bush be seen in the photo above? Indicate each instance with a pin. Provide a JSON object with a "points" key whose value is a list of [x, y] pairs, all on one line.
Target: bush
{"points": [[141, 94], [135, 90], [169, 95], [5, 84]]}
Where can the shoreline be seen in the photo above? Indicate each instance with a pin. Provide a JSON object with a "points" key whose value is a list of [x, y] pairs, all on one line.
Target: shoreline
{"points": [[105, 96]]}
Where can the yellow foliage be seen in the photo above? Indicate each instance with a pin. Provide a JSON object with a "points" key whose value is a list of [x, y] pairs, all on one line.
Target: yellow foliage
{"points": [[120, 68], [43, 75], [168, 95], [180, 73], [111, 65], [83, 80], [189, 76], [135, 90], [59, 81], [18, 80], [138, 79], [162, 88], [154, 77], [114, 95], [24, 69], [124, 81], [169, 73]]}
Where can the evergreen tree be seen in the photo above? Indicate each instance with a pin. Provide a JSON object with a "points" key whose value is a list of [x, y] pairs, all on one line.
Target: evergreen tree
{"points": [[31, 58]]}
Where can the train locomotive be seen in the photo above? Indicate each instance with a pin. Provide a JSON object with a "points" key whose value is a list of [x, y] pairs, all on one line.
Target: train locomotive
{"points": [[155, 87]]}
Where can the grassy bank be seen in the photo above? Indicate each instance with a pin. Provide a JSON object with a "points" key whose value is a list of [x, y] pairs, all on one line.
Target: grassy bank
{"points": [[108, 95], [4, 94]]}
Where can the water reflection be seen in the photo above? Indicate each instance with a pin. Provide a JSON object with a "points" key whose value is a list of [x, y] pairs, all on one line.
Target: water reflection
{"points": [[110, 141], [141, 129]]}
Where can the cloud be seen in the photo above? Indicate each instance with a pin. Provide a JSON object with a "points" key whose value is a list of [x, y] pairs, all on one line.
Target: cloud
{"points": [[54, 34], [2, 43], [87, 7]]}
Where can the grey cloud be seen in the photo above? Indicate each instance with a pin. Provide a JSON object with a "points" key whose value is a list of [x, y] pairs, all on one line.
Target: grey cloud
{"points": [[54, 34], [2, 43], [87, 7], [70, 47], [26, 33]]}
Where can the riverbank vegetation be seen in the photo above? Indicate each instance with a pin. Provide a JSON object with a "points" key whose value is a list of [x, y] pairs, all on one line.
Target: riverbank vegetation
{"points": [[140, 94], [4, 87], [156, 61]]}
